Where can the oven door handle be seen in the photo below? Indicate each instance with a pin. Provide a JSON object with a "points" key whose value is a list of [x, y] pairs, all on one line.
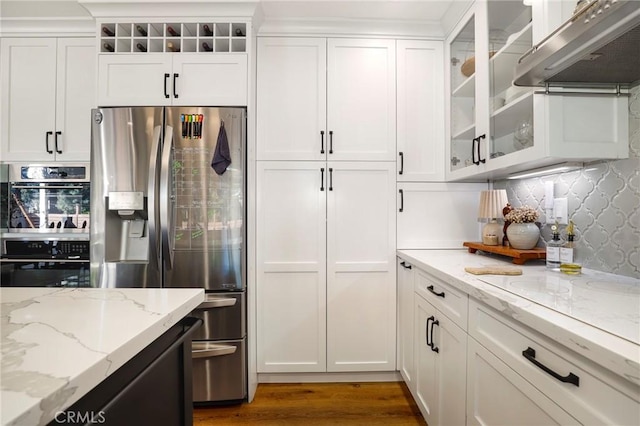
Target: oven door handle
{"points": [[47, 187], [210, 350], [212, 302], [43, 260]]}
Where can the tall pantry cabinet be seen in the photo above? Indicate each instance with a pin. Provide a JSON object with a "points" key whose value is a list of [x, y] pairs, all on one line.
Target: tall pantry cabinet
{"points": [[326, 205]]}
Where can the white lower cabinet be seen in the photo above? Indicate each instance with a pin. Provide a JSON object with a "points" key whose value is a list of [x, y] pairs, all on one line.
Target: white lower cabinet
{"points": [[326, 287], [497, 395], [524, 368], [440, 356], [406, 296], [474, 365]]}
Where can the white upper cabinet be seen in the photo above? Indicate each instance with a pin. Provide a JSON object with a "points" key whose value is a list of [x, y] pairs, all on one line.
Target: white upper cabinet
{"points": [[292, 98], [361, 99], [420, 112], [48, 90], [160, 63], [495, 128], [326, 99]]}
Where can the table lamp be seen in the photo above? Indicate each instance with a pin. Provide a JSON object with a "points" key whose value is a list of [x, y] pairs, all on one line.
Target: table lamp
{"points": [[491, 204]]}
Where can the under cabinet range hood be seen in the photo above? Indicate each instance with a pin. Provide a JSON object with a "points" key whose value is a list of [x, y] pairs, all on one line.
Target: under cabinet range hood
{"points": [[599, 45]]}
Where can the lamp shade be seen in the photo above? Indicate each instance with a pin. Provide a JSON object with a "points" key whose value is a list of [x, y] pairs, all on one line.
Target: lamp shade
{"points": [[491, 203]]}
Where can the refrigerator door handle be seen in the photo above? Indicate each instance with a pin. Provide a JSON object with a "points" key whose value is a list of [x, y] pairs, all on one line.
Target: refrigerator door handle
{"points": [[209, 350], [152, 194], [166, 207], [211, 302]]}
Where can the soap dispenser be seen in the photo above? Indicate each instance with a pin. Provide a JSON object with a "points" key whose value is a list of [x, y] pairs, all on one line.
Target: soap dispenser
{"points": [[553, 249]]}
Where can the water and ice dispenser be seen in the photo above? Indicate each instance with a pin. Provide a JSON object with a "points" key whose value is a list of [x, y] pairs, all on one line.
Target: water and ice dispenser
{"points": [[127, 227]]}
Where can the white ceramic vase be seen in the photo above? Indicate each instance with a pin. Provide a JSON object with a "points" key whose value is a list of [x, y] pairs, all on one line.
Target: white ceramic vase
{"points": [[523, 236]]}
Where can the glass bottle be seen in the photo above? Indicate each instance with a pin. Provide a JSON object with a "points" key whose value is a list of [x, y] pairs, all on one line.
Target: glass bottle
{"points": [[553, 249], [567, 249]]}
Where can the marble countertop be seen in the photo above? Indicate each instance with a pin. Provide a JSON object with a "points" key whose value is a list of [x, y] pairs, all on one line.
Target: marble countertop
{"points": [[58, 344], [595, 314]]}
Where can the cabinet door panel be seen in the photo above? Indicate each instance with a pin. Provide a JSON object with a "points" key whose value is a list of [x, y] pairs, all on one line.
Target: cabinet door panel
{"points": [[451, 359], [361, 99], [134, 80], [361, 287], [420, 110], [498, 395], [291, 99], [291, 263], [425, 359], [406, 323], [76, 96], [28, 98], [451, 209], [219, 80]]}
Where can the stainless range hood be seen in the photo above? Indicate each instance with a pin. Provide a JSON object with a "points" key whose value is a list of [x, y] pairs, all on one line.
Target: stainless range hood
{"points": [[599, 45]]}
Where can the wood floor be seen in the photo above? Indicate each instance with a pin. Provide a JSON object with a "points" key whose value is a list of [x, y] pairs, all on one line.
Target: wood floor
{"points": [[336, 404]]}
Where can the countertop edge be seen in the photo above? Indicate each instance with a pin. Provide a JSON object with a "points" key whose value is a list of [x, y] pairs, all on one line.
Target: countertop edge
{"points": [[79, 385], [585, 339]]}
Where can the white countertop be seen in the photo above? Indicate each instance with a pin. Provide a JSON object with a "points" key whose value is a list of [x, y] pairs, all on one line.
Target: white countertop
{"points": [[58, 344], [595, 314]]}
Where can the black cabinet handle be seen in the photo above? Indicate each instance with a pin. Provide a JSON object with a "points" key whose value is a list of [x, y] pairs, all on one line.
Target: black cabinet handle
{"points": [[473, 151], [330, 179], [430, 288], [432, 345], [321, 141], [431, 318], [175, 76], [481, 160], [58, 133], [46, 142], [330, 141], [530, 354], [322, 179], [401, 154], [405, 265], [401, 209], [166, 78]]}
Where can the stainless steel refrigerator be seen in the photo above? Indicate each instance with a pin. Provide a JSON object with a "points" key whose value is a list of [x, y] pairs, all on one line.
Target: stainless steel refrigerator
{"points": [[167, 210]]}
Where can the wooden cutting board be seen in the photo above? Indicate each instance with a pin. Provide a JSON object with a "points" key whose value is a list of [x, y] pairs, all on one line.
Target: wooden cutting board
{"points": [[494, 270]]}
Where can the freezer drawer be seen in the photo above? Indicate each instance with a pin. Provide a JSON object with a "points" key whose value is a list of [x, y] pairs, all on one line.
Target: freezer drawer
{"points": [[223, 316], [219, 371]]}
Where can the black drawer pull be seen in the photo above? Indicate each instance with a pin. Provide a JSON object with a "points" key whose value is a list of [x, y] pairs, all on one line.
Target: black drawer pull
{"points": [[481, 160], [58, 133], [405, 265], [321, 141], [430, 288], [166, 78], [322, 179], [46, 141], [431, 318], [401, 209], [401, 154], [530, 354], [330, 141]]}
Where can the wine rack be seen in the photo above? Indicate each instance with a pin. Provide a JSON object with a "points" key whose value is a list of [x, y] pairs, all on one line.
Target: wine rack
{"points": [[172, 37]]}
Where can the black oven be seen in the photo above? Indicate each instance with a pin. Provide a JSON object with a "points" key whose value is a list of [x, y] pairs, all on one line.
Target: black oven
{"points": [[44, 263]]}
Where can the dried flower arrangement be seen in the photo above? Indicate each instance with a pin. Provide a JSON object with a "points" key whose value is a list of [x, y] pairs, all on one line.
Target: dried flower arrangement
{"points": [[522, 214]]}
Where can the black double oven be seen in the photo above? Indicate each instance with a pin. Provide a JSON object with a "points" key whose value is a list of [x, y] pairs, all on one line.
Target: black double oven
{"points": [[45, 226]]}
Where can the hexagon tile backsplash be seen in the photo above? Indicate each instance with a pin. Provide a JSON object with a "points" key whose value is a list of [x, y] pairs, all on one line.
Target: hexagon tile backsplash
{"points": [[604, 204]]}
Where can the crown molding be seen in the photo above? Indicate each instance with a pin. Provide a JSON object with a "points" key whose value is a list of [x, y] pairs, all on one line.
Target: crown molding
{"points": [[47, 27], [350, 27], [169, 8]]}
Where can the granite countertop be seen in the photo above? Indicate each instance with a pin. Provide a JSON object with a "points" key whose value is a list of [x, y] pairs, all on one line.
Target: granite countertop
{"points": [[58, 344], [595, 314]]}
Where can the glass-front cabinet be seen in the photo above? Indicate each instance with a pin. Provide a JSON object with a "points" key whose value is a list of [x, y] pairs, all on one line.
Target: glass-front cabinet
{"points": [[489, 117], [494, 127]]}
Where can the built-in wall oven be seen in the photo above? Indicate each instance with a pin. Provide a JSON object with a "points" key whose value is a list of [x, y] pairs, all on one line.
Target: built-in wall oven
{"points": [[44, 240]]}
